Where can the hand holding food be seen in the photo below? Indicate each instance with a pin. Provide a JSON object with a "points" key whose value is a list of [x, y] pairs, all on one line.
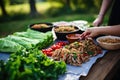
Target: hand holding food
{"points": [[91, 32]]}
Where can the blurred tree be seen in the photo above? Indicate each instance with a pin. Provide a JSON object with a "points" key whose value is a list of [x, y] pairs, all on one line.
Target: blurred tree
{"points": [[79, 5], [33, 11], [98, 3], [14, 2], [2, 5], [66, 5]]}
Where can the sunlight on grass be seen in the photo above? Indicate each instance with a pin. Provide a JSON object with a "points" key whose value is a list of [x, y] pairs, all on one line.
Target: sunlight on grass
{"points": [[44, 6], [23, 8]]}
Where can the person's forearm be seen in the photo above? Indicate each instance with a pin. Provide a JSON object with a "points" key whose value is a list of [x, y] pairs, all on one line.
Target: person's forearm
{"points": [[110, 30], [105, 5]]}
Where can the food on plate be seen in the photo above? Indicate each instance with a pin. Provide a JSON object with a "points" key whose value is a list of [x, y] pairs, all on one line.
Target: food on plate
{"points": [[41, 27], [62, 31], [109, 42], [37, 26], [65, 29], [77, 53]]}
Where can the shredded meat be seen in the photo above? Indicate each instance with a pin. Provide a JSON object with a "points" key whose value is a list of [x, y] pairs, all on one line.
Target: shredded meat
{"points": [[77, 53]]}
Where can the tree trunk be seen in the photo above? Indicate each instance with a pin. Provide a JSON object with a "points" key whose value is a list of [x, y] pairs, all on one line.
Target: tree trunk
{"points": [[68, 7], [33, 11], [2, 5], [68, 3]]}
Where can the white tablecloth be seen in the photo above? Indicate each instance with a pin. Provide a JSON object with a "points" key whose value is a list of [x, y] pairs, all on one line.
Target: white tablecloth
{"points": [[74, 72]]}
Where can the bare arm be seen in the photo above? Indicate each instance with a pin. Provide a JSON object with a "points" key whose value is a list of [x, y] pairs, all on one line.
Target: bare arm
{"points": [[105, 5], [110, 30], [103, 30]]}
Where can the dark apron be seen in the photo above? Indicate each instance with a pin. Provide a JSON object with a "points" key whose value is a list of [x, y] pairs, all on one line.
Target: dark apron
{"points": [[114, 18]]}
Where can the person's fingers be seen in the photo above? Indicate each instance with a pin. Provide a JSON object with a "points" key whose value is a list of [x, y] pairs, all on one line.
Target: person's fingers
{"points": [[84, 34], [96, 23], [86, 37]]}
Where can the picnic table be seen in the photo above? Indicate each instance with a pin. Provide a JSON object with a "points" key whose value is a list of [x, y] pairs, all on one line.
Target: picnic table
{"points": [[105, 68]]}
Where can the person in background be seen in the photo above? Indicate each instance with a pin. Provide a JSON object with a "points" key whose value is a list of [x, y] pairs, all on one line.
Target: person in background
{"points": [[114, 18], [113, 27]]}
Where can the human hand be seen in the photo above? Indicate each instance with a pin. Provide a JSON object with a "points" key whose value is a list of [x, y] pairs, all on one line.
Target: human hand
{"points": [[90, 32], [98, 21]]}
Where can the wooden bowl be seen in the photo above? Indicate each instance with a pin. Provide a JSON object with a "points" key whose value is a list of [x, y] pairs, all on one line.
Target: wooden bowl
{"points": [[109, 42]]}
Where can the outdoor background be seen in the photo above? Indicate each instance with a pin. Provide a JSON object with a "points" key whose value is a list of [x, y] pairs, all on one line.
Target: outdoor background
{"points": [[16, 15]]}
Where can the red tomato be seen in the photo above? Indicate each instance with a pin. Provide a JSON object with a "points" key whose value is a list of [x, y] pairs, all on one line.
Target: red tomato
{"points": [[49, 53], [58, 45], [61, 43], [99, 51], [43, 50], [54, 47], [85, 54], [49, 49]]}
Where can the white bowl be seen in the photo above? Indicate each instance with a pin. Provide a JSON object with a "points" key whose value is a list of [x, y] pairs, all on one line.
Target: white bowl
{"points": [[109, 45]]}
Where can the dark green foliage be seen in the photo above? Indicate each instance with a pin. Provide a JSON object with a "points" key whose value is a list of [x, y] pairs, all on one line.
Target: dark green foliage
{"points": [[31, 65], [13, 2]]}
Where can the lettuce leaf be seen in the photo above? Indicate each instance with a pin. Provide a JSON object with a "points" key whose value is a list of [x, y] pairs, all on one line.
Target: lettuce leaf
{"points": [[20, 41], [9, 46], [45, 39]]}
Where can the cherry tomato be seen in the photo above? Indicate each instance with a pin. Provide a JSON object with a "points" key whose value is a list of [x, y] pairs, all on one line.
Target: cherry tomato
{"points": [[99, 51], [43, 50], [85, 54], [49, 49], [49, 53], [54, 47], [61, 43]]}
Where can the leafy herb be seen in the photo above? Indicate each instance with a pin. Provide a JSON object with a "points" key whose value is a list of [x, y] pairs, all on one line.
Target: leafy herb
{"points": [[75, 55], [31, 65], [90, 52]]}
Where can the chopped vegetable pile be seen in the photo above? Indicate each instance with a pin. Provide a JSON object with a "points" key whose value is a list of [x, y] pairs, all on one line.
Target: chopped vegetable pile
{"points": [[31, 65]]}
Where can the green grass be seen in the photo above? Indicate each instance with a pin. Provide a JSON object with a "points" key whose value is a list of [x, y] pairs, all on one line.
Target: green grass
{"points": [[7, 28]]}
